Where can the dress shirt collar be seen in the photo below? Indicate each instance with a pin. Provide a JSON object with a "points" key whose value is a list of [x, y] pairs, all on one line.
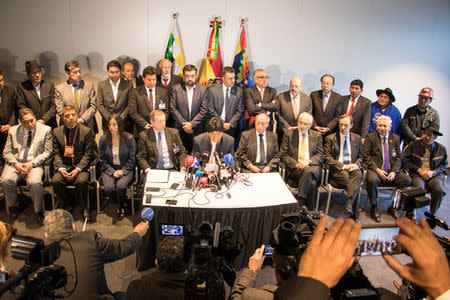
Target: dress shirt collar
{"points": [[77, 85], [225, 89], [326, 95], [259, 90], [257, 134], [115, 85], [296, 98]]}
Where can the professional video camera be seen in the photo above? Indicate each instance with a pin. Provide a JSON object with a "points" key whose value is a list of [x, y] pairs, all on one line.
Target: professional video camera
{"points": [[38, 258], [410, 198], [209, 255]]}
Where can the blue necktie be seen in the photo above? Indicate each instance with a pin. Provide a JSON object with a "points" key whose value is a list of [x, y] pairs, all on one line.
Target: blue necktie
{"points": [[386, 164], [346, 155], [160, 164]]}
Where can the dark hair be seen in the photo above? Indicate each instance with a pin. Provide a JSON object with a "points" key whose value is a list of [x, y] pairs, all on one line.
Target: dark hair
{"points": [[114, 63], [119, 121], [357, 82], [25, 111], [346, 116], [70, 65], [189, 68], [6, 232], [214, 124], [68, 107], [227, 69], [327, 75], [148, 71], [285, 265], [170, 255]]}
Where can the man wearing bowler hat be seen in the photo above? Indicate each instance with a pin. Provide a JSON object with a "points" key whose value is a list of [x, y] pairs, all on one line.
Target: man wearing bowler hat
{"points": [[426, 161], [384, 107]]}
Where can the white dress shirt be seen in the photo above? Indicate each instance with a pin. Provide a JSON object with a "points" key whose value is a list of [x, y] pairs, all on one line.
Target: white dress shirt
{"points": [[115, 88], [190, 96], [38, 90], [350, 103]]}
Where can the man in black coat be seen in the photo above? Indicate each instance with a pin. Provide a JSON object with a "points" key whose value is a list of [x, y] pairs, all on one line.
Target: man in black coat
{"points": [[7, 115]]}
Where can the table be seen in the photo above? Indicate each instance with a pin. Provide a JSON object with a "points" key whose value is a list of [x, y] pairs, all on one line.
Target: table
{"points": [[252, 211]]}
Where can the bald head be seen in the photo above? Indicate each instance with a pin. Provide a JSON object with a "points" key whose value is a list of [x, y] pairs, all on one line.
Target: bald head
{"points": [[165, 66], [295, 86]]}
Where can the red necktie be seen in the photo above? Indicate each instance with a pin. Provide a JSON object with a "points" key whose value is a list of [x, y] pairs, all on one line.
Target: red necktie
{"points": [[165, 81], [351, 107]]}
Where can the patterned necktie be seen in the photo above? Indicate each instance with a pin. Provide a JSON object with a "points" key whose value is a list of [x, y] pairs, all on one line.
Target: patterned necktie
{"points": [[27, 148], [346, 154], [386, 164], [302, 152], [76, 96], [160, 164], [165, 81], [227, 99], [262, 151], [150, 99], [350, 111], [295, 107]]}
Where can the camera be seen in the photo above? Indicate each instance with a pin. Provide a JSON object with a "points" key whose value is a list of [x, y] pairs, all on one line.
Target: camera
{"points": [[410, 198]]}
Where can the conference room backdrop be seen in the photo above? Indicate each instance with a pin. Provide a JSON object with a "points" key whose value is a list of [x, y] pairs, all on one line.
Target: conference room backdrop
{"points": [[401, 44]]}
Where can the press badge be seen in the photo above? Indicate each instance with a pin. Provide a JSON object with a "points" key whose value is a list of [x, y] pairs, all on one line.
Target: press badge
{"points": [[69, 151], [162, 105]]}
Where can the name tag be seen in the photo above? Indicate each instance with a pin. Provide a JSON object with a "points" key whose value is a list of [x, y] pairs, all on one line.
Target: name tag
{"points": [[69, 151], [162, 105]]}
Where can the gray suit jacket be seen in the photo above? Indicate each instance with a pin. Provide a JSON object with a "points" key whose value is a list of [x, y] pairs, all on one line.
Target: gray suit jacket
{"points": [[140, 106], [42, 144], [285, 113], [361, 114], [248, 149], [332, 148], [235, 105], [64, 96], [105, 99], [328, 116]]}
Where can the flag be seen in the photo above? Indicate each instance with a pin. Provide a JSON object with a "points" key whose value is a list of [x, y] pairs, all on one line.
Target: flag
{"points": [[241, 63], [212, 66], [174, 50]]}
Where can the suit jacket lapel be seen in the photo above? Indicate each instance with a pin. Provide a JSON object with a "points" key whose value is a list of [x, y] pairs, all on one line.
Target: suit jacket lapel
{"points": [[321, 101], [185, 98], [33, 90], [295, 143], [152, 138], [337, 143], [143, 91], [253, 140]]}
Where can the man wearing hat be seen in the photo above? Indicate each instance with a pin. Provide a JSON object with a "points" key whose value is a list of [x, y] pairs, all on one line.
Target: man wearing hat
{"points": [[426, 161], [384, 107], [37, 94], [419, 117]]}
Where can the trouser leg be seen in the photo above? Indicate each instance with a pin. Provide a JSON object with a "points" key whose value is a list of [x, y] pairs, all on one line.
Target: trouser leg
{"points": [[434, 185], [372, 183], [34, 181], [59, 186], [81, 185], [9, 179]]}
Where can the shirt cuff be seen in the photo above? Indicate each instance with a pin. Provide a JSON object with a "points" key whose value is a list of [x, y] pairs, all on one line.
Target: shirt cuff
{"points": [[147, 170], [444, 296], [61, 169], [78, 169]]}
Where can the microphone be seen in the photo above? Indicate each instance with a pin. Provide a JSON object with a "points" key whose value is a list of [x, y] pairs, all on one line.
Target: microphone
{"points": [[197, 175], [205, 158], [196, 162], [228, 158], [203, 182], [217, 158], [147, 214], [189, 162]]}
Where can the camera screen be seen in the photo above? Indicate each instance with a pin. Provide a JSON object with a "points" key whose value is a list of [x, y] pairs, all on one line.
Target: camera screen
{"points": [[268, 251], [376, 241], [170, 229]]}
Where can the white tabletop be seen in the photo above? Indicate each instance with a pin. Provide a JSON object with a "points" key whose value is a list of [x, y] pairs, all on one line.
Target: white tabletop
{"points": [[266, 190]]}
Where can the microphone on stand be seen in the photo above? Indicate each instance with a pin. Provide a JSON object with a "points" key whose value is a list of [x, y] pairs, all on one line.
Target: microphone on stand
{"points": [[147, 214]]}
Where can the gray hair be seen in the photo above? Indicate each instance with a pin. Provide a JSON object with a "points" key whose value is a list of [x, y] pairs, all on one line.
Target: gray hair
{"points": [[383, 117], [58, 224]]}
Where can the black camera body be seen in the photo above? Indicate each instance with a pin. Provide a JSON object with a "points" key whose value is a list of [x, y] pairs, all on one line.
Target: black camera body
{"points": [[412, 197]]}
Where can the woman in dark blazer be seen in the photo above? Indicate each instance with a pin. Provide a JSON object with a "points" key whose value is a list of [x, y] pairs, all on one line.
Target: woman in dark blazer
{"points": [[118, 159]]}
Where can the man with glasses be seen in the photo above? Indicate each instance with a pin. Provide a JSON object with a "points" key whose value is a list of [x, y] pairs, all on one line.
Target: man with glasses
{"points": [[260, 98]]}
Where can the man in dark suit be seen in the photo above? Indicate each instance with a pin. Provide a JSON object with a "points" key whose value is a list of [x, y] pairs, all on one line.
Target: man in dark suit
{"points": [[226, 101], [37, 94], [128, 74], [302, 153], [7, 116], [258, 148], [92, 251], [382, 158], [160, 147], [358, 107], [327, 106], [166, 79], [344, 155], [188, 106], [74, 150], [260, 98], [290, 105], [112, 96]]}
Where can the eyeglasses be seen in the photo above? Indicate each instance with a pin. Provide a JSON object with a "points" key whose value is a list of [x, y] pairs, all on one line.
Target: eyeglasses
{"points": [[262, 77]]}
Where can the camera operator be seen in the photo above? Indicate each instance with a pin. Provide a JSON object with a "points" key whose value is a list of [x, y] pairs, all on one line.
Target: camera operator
{"points": [[6, 232], [167, 280], [91, 250]]}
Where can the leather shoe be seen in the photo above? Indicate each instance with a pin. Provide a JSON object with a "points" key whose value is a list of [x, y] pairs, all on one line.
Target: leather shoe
{"points": [[40, 218], [87, 216], [375, 214], [13, 213], [393, 212]]}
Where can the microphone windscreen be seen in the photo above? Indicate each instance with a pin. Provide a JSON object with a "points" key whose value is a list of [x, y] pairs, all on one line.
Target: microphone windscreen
{"points": [[147, 213], [228, 158], [198, 173], [189, 161], [196, 162]]}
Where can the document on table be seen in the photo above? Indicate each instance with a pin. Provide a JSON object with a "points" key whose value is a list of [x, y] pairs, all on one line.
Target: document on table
{"points": [[158, 176]]}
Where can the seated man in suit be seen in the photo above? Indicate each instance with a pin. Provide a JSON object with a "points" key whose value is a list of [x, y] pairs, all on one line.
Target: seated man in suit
{"points": [[112, 96], [188, 106], [166, 79], [302, 153], [426, 161], [226, 101], [260, 98], [78, 93], [28, 146], [327, 106], [258, 148], [146, 98], [290, 105], [343, 154], [7, 116], [213, 140], [382, 158], [74, 150], [37, 94], [358, 107], [160, 147], [128, 74]]}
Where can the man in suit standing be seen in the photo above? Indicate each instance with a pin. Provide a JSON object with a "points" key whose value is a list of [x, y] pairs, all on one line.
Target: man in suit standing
{"points": [[128, 74], [327, 106], [344, 155], [112, 96], [78, 93], [226, 101], [28, 146], [260, 98], [146, 98], [290, 105], [37, 94], [302, 153], [166, 79], [258, 148], [358, 107], [188, 106], [382, 158], [74, 150], [7, 104], [160, 147]]}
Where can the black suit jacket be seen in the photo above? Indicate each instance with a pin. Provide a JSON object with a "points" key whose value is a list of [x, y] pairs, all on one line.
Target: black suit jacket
{"points": [[202, 144], [235, 104], [328, 116], [44, 106], [127, 154], [332, 151], [174, 79], [289, 148], [85, 149], [105, 100], [285, 114], [373, 152], [253, 97], [248, 149], [140, 106], [360, 114], [147, 155], [7, 105]]}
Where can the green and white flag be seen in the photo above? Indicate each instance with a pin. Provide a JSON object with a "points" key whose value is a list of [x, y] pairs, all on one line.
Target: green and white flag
{"points": [[174, 51]]}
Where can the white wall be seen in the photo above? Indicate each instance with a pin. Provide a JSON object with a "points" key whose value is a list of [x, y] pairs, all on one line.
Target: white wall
{"points": [[401, 44]]}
